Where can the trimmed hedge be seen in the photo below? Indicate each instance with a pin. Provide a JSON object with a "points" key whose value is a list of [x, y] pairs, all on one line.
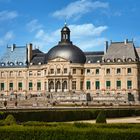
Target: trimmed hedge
{"points": [[69, 115], [71, 132]]}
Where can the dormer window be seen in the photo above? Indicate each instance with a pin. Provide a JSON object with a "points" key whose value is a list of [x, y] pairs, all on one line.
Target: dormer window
{"points": [[2, 64], [11, 63], [20, 63]]}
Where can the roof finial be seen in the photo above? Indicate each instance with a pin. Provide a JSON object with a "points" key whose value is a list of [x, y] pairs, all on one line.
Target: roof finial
{"points": [[65, 22]]}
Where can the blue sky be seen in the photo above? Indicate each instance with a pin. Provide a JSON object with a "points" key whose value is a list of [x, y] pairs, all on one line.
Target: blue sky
{"points": [[91, 22]]}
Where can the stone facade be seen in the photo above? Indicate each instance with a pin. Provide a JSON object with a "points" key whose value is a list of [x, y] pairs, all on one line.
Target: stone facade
{"points": [[115, 80]]}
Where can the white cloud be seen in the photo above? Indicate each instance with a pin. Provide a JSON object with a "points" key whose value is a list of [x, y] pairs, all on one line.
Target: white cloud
{"points": [[78, 8], [86, 36], [8, 15], [33, 25], [6, 38]]}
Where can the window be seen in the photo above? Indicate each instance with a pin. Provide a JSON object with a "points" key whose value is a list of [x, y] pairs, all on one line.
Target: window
{"points": [[107, 71], [108, 84], [20, 86], [97, 71], [129, 84], [52, 71], [128, 70], [30, 73], [10, 86], [1, 86], [38, 85], [88, 71], [11, 73], [81, 85], [2, 74], [118, 84], [45, 72], [82, 71], [74, 71], [118, 70], [39, 73], [73, 84], [97, 85], [65, 70], [45, 85], [20, 73], [88, 84], [58, 71], [30, 85]]}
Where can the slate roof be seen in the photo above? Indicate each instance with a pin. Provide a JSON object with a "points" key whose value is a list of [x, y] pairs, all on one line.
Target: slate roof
{"points": [[138, 51], [37, 57], [121, 50], [14, 57], [94, 57]]}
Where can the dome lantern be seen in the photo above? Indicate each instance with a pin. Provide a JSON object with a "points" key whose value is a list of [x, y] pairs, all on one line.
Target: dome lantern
{"points": [[65, 34]]}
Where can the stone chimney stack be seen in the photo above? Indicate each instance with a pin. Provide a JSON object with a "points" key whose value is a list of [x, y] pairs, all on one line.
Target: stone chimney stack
{"points": [[106, 47], [30, 52], [126, 41]]}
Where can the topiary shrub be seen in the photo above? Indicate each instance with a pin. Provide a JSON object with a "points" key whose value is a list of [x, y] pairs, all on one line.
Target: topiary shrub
{"points": [[10, 120], [101, 118]]}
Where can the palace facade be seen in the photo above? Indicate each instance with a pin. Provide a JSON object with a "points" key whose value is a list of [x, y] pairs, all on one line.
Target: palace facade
{"points": [[112, 75]]}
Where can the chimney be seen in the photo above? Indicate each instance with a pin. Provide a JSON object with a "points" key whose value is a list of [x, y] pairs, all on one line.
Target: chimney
{"points": [[29, 52], [126, 41], [106, 47], [12, 47]]}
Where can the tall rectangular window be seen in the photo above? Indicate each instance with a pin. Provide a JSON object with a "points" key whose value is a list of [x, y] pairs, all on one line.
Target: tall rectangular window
{"points": [[108, 84], [20, 86], [73, 84], [10, 86], [97, 85], [30, 73], [30, 86], [38, 85], [88, 71], [82, 71], [118, 70], [38, 73], [129, 70], [1, 86], [88, 84], [65, 70], [52, 71], [74, 71], [97, 71], [58, 71], [118, 84], [81, 85], [2, 74], [129, 84], [107, 71]]}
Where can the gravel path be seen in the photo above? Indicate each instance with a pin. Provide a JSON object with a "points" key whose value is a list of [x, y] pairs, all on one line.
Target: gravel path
{"points": [[118, 120]]}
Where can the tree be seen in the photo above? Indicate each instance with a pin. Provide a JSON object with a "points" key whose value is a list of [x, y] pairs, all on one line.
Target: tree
{"points": [[101, 118]]}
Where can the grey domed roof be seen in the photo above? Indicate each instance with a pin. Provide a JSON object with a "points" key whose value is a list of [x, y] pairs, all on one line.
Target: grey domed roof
{"points": [[68, 51], [65, 49]]}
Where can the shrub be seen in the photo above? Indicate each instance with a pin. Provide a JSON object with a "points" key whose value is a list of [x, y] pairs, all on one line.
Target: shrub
{"points": [[101, 118], [10, 120], [1, 115]]}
